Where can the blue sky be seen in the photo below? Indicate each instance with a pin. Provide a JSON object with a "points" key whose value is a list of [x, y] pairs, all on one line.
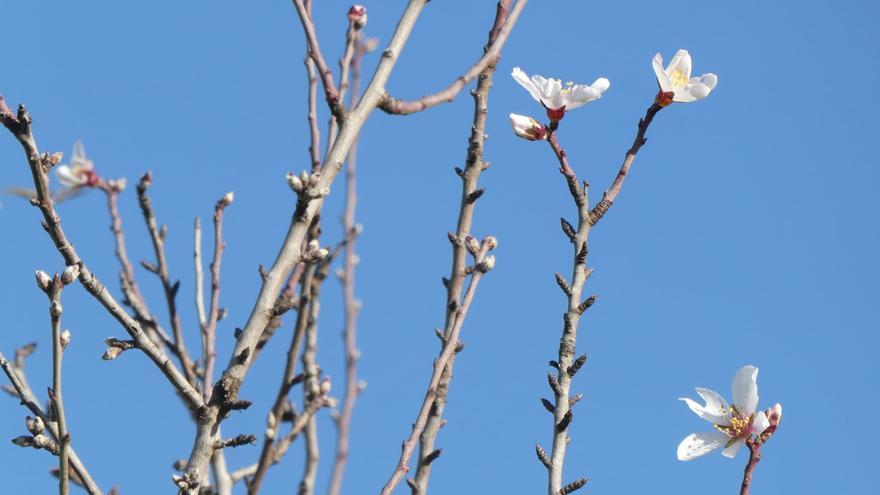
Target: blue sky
{"points": [[746, 234]]}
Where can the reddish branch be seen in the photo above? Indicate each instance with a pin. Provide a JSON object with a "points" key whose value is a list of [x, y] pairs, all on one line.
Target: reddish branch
{"points": [[611, 194], [505, 19], [331, 93]]}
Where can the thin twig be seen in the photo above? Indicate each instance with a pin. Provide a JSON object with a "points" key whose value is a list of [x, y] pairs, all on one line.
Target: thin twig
{"points": [[449, 350], [350, 303], [157, 236], [56, 398], [331, 93], [289, 256], [311, 391], [352, 34], [499, 34], [19, 384], [474, 167], [20, 126], [210, 328]]}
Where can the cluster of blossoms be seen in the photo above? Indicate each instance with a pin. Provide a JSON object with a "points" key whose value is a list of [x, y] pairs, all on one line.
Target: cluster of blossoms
{"points": [[675, 82], [734, 423]]}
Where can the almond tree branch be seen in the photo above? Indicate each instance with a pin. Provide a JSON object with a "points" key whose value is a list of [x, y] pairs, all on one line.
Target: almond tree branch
{"points": [[331, 94], [498, 36], [351, 36], [133, 296], [312, 388], [210, 329], [157, 236], [560, 383], [20, 126], [226, 390], [482, 265], [288, 380], [23, 392], [55, 395], [474, 166], [350, 303], [611, 194]]}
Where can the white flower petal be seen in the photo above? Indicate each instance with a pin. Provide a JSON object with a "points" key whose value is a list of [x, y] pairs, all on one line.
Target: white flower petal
{"points": [[523, 79], [698, 444], [760, 423], [601, 85], [745, 390], [715, 403], [662, 79], [67, 177], [730, 452], [681, 62], [711, 412]]}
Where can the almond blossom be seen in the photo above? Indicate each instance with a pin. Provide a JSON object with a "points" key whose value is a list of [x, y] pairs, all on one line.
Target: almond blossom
{"points": [[676, 83], [80, 172], [557, 98], [734, 424]]}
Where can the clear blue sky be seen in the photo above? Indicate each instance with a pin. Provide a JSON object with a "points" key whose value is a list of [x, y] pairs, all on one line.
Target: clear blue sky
{"points": [[746, 234]]}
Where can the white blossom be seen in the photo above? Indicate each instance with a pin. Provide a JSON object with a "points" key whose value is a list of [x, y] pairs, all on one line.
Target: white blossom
{"points": [[734, 424], [676, 79], [557, 98], [79, 172]]}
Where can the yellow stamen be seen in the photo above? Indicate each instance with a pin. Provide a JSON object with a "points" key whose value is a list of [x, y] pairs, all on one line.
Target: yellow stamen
{"points": [[678, 78]]}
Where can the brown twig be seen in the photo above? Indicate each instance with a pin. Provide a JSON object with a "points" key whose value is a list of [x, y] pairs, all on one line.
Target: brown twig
{"points": [[498, 36], [485, 264], [55, 395], [24, 393], [561, 382], [352, 35], [157, 236], [611, 194], [20, 126], [474, 166], [312, 389], [331, 93], [210, 329]]}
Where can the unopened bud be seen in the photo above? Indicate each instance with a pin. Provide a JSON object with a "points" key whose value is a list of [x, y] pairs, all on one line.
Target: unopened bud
{"points": [[43, 280], [34, 425], [527, 127], [295, 183], [65, 339], [111, 353], [487, 264], [55, 159], [70, 274], [774, 415], [361, 385], [491, 242], [357, 15], [119, 184], [326, 385], [228, 198]]}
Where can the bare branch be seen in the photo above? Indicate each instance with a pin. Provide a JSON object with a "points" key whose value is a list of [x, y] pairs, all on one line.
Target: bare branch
{"points": [[331, 94], [20, 126], [505, 20], [210, 329]]}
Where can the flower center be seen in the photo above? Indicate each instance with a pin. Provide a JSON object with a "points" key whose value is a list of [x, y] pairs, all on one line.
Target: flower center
{"points": [[739, 427], [678, 78]]}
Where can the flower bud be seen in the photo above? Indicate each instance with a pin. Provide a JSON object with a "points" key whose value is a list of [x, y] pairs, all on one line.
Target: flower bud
{"points": [[491, 242], [56, 158], [774, 414], [65, 339], [527, 127], [487, 264], [111, 353], [34, 425], [357, 15], [326, 385], [228, 198], [43, 280], [70, 274], [295, 183]]}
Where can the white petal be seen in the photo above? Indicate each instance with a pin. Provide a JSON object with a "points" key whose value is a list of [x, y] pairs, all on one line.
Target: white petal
{"points": [[551, 93], [66, 176], [698, 444], [681, 61], [523, 79], [760, 423], [715, 403], [696, 89], [708, 412], [730, 452], [709, 79], [601, 85], [662, 78], [745, 390], [79, 150]]}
